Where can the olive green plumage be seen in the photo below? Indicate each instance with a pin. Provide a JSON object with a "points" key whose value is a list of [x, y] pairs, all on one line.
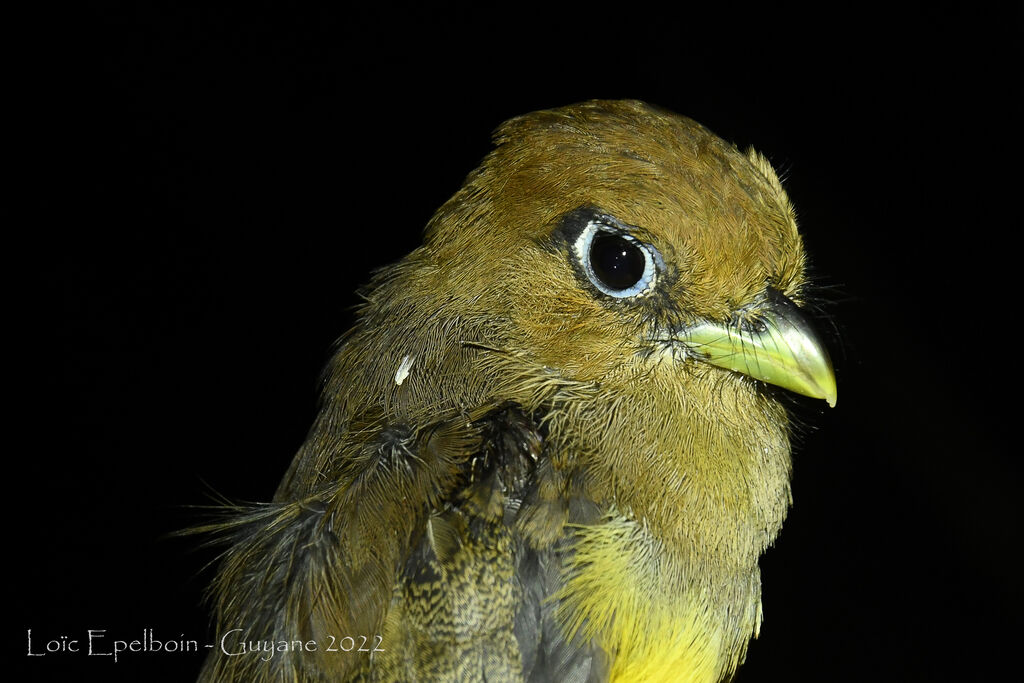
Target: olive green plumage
{"points": [[522, 472]]}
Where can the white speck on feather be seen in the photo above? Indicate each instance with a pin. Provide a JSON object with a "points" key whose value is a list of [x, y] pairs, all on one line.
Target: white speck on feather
{"points": [[403, 369]]}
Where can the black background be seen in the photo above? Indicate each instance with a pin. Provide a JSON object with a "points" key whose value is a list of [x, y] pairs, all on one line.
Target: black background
{"points": [[204, 189]]}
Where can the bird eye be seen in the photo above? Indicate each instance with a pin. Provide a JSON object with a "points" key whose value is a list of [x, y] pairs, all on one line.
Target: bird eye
{"points": [[617, 263]]}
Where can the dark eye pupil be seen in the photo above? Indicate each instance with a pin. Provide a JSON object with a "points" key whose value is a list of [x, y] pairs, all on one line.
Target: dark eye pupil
{"points": [[616, 261]]}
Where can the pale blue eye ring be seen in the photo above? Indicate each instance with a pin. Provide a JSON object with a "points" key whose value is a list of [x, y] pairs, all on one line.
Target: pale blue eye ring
{"points": [[615, 262]]}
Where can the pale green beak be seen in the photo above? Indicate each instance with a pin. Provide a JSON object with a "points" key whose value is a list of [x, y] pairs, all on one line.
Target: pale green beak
{"points": [[780, 347]]}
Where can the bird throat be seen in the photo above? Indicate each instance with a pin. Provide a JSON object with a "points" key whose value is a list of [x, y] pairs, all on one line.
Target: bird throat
{"points": [[666, 577]]}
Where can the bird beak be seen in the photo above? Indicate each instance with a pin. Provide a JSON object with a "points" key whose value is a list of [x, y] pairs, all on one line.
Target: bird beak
{"points": [[777, 345]]}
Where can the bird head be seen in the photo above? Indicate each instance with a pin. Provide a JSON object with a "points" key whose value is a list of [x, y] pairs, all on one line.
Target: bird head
{"points": [[611, 231]]}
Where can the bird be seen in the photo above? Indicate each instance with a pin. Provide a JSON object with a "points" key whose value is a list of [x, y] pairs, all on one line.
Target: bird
{"points": [[556, 441]]}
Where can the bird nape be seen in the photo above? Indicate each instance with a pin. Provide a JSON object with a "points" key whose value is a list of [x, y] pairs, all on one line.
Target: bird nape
{"points": [[547, 451]]}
